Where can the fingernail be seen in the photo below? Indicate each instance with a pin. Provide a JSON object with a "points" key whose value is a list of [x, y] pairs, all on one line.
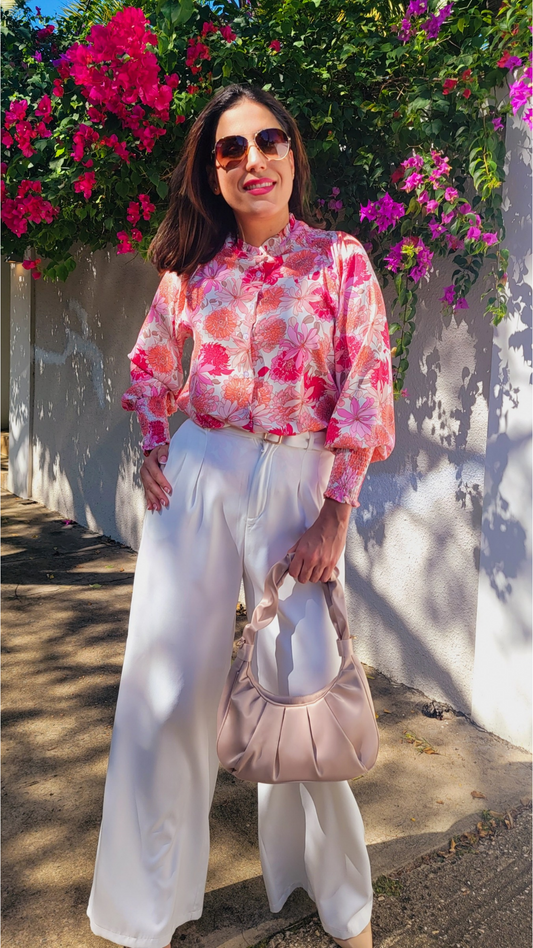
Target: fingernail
{"points": [[168, 490], [163, 460]]}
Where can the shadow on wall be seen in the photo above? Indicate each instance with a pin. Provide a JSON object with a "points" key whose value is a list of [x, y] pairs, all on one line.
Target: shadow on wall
{"points": [[86, 448], [504, 540], [414, 550]]}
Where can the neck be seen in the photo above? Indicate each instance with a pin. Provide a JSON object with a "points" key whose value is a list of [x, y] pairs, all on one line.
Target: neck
{"points": [[256, 231]]}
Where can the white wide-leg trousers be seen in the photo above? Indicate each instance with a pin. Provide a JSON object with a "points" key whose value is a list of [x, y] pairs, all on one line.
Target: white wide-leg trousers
{"points": [[238, 504]]}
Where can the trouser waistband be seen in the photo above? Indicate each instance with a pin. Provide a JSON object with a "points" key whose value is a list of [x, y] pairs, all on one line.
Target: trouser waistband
{"points": [[308, 440]]}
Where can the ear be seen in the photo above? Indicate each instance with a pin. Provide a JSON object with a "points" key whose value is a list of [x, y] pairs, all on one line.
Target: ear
{"points": [[213, 179]]}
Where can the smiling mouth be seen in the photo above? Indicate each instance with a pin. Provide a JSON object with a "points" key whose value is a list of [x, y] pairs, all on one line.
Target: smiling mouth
{"points": [[264, 184]]}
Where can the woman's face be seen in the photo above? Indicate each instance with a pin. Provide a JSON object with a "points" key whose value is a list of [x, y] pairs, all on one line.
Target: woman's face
{"points": [[254, 187]]}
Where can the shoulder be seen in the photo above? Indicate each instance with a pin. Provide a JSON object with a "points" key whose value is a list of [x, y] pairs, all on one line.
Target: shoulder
{"points": [[338, 244], [171, 287]]}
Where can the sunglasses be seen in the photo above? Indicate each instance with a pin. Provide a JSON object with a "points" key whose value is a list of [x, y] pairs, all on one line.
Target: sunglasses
{"points": [[273, 143]]}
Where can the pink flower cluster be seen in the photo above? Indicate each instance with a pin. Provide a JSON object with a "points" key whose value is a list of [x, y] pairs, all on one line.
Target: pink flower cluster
{"points": [[125, 240], [143, 207], [450, 299], [431, 26], [384, 212], [85, 184], [83, 138], [520, 93], [334, 203], [18, 128], [27, 207], [117, 73], [426, 177], [508, 61], [450, 84], [198, 50], [410, 255], [33, 265], [45, 32], [120, 149]]}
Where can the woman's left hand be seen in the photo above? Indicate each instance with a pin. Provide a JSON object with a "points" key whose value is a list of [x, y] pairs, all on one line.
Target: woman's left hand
{"points": [[318, 551]]}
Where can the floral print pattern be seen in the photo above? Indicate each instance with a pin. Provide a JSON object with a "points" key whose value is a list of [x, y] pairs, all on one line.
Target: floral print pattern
{"points": [[288, 337]]}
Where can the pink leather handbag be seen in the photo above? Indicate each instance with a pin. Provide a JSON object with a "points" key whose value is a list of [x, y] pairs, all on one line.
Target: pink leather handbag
{"points": [[330, 735]]}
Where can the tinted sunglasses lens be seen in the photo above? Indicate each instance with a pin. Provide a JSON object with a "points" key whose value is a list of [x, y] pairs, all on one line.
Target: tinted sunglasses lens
{"points": [[273, 142], [231, 148]]}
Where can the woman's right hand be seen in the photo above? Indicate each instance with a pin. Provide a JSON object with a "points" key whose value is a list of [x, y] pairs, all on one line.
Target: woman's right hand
{"points": [[156, 486]]}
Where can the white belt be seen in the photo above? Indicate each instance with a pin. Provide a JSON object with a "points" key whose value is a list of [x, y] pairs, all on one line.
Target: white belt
{"points": [[313, 440]]}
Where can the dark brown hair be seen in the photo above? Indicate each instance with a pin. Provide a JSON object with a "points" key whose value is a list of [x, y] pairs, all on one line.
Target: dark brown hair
{"points": [[198, 221]]}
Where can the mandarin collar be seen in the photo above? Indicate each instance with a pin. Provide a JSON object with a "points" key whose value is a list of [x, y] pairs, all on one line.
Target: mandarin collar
{"points": [[274, 246]]}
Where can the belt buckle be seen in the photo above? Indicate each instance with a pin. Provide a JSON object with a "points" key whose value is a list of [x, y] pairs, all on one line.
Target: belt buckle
{"points": [[269, 436]]}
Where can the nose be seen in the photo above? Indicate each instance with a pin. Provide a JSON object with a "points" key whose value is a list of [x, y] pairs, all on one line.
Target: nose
{"points": [[255, 158]]}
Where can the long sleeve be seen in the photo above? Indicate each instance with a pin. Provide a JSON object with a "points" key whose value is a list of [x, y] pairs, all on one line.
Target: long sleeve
{"points": [[156, 370], [361, 428]]}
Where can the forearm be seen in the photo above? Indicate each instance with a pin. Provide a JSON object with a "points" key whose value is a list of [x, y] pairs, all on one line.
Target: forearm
{"points": [[336, 512]]}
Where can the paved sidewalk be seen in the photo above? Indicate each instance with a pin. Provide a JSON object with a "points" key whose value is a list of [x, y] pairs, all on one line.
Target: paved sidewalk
{"points": [[65, 610]]}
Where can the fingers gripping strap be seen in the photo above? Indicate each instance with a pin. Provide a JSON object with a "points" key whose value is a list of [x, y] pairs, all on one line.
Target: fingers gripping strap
{"points": [[266, 610]]}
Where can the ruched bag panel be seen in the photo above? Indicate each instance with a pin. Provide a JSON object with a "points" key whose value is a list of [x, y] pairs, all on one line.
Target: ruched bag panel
{"points": [[331, 735]]}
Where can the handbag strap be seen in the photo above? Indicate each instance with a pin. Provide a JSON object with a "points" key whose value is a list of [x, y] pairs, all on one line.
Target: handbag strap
{"points": [[266, 610]]}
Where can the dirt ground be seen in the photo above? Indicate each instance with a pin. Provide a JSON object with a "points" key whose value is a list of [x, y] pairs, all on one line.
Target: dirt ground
{"points": [[476, 897], [65, 610]]}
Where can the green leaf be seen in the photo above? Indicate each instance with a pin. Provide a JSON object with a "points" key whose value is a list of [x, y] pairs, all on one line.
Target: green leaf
{"points": [[182, 12]]}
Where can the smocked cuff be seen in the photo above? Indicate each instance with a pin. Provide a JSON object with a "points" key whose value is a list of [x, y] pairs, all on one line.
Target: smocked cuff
{"points": [[347, 475]]}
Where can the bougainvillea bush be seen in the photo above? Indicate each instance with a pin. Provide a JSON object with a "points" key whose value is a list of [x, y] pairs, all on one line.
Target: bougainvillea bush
{"points": [[402, 108]]}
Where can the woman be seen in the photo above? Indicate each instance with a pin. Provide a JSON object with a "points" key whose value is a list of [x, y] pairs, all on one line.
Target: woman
{"points": [[289, 399]]}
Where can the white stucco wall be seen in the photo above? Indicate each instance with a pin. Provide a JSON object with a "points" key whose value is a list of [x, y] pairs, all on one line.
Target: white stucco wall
{"points": [[5, 289], [86, 455], [21, 379], [501, 700], [413, 546]]}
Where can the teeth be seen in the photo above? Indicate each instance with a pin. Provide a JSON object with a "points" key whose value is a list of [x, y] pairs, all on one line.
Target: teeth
{"points": [[252, 187]]}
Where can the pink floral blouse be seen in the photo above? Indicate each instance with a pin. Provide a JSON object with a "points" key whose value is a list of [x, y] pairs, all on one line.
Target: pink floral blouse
{"points": [[288, 337]]}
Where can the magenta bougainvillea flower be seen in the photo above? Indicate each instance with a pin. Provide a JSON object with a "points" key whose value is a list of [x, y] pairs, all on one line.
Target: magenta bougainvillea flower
{"points": [[413, 181], [410, 255], [433, 25], [27, 207], [415, 161], [448, 295], [85, 184], [449, 299], [117, 72], [508, 61], [385, 212]]}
